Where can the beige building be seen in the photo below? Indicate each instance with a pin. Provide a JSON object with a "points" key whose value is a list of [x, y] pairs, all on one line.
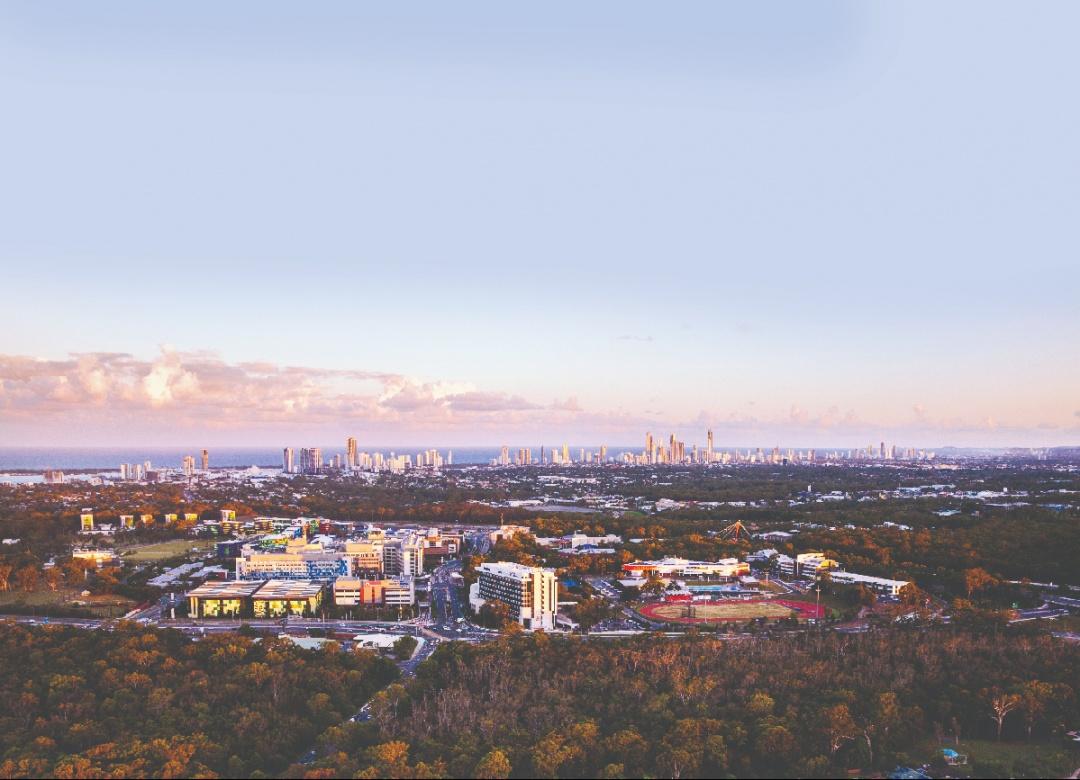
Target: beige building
{"points": [[351, 592], [531, 593]]}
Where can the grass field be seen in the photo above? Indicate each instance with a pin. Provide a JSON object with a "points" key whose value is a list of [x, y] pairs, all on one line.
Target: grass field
{"points": [[43, 599], [768, 586], [716, 612], [149, 553]]}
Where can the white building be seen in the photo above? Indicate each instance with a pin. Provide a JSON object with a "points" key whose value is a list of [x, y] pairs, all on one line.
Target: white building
{"points": [[531, 593], [681, 567], [404, 556], [877, 584], [805, 564]]}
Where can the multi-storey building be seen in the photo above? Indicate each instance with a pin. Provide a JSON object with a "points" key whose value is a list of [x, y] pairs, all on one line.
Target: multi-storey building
{"points": [[298, 561], [805, 564], [366, 558], [531, 593], [351, 592], [404, 555], [310, 460]]}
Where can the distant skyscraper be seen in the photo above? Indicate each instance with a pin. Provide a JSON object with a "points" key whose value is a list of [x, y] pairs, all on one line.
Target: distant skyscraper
{"points": [[350, 452], [206, 460], [708, 446], [189, 465], [565, 454], [650, 448], [287, 460], [310, 460]]}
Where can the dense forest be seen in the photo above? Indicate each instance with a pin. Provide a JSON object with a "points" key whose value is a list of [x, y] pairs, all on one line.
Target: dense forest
{"points": [[812, 706], [142, 702]]}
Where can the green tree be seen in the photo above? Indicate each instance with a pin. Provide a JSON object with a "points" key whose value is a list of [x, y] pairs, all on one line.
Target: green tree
{"points": [[404, 647]]}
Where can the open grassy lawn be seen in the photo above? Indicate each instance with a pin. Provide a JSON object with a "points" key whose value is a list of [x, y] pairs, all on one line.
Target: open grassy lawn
{"points": [[987, 758], [149, 553], [44, 599], [771, 587]]}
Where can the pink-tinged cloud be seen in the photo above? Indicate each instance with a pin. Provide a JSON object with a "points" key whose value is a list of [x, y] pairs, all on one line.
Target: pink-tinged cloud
{"points": [[179, 397], [181, 392]]}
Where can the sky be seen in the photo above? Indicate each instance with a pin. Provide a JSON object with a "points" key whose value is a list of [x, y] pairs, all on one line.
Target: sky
{"points": [[822, 224]]}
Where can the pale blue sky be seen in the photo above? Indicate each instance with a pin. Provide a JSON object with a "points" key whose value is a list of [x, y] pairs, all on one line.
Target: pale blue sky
{"points": [[804, 223]]}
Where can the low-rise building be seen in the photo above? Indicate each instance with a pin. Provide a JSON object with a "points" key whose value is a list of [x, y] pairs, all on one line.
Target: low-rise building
{"points": [[725, 568], [277, 598], [222, 599], [352, 592], [99, 557], [877, 584], [507, 532]]}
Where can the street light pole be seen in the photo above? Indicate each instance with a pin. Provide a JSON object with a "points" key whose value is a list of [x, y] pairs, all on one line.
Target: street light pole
{"points": [[817, 604]]}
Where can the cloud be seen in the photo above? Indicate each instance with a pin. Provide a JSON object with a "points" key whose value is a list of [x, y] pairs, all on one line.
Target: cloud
{"points": [[475, 401], [198, 390], [568, 405], [632, 337], [118, 398]]}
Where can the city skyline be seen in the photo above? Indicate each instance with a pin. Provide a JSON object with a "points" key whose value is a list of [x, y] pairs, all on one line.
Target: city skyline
{"points": [[819, 227]]}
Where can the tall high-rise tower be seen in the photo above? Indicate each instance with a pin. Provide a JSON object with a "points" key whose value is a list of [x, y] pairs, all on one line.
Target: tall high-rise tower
{"points": [[650, 448], [350, 452], [206, 460], [310, 460], [287, 460], [708, 446]]}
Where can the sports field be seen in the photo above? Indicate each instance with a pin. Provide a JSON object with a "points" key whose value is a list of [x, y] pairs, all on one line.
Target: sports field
{"points": [[725, 611]]}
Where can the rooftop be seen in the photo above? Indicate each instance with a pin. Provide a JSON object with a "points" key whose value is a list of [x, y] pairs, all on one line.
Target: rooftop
{"points": [[236, 589], [287, 590]]}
